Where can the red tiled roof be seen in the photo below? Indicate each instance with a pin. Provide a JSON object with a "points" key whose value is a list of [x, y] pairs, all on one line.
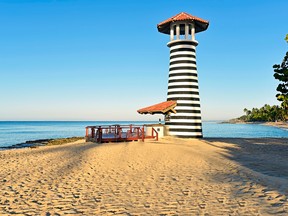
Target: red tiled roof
{"points": [[200, 24], [160, 108]]}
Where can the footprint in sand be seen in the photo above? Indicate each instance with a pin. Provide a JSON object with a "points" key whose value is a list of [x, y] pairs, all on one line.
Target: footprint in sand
{"points": [[202, 205], [241, 203], [221, 199], [186, 192]]}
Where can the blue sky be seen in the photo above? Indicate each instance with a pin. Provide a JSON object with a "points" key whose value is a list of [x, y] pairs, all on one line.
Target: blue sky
{"points": [[103, 60]]}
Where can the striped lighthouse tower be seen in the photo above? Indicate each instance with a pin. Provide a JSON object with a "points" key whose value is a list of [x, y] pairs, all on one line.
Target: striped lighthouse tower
{"points": [[183, 77]]}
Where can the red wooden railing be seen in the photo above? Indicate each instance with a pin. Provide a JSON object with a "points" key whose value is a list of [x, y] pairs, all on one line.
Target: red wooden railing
{"points": [[118, 133]]}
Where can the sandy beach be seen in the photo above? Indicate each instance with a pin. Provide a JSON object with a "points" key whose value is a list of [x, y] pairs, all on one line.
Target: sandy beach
{"points": [[277, 124], [169, 177]]}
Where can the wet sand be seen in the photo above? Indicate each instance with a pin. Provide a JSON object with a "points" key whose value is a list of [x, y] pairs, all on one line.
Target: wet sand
{"points": [[170, 177], [277, 124]]}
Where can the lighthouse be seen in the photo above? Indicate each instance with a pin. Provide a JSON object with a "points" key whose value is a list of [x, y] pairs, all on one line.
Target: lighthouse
{"points": [[183, 85]]}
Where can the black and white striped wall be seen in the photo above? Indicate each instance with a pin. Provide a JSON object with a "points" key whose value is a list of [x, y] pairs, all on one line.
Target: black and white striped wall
{"points": [[183, 87]]}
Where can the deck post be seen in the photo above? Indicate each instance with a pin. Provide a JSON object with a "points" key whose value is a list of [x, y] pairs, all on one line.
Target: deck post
{"points": [[92, 132], [138, 132], [156, 135], [120, 132], [143, 135], [97, 136], [100, 134], [87, 132]]}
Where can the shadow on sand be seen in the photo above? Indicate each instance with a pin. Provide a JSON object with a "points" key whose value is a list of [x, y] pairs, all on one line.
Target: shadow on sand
{"points": [[265, 156]]}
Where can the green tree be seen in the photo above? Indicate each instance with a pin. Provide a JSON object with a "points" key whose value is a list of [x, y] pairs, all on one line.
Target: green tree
{"points": [[281, 74], [263, 114]]}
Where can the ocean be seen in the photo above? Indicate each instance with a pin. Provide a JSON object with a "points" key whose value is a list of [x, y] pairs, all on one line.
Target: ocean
{"points": [[15, 132]]}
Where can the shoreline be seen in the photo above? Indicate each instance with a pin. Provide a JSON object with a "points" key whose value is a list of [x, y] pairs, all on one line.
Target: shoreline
{"points": [[274, 124], [283, 125], [58, 141], [41, 142]]}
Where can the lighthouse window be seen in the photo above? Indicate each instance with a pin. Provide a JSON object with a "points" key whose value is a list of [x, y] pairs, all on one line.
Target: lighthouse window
{"points": [[182, 29], [167, 118]]}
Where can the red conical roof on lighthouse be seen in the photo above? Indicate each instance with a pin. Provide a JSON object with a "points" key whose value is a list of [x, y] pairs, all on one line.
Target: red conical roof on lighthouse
{"points": [[200, 24]]}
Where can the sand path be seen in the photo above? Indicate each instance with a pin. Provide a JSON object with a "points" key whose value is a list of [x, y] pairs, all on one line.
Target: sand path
{"points": [[169, 177]]}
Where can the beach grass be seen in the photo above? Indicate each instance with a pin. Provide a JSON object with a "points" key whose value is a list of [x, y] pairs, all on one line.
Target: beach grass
{"points": [[62, 141]]}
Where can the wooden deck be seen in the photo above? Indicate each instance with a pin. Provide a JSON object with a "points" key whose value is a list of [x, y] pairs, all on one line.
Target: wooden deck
{"points": [[118, 133]]}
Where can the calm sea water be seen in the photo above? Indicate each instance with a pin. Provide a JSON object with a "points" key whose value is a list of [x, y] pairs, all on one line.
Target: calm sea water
{"points": [[14, 132]]}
